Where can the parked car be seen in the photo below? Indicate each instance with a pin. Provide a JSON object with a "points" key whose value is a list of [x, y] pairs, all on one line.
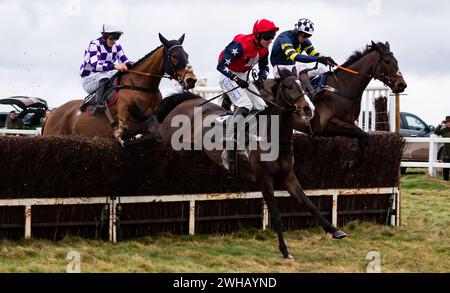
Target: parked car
{"points": [[413, 126], [30, 109]]}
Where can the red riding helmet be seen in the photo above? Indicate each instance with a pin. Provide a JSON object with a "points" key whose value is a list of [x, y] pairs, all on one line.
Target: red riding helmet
{"points": [[264, 25]]}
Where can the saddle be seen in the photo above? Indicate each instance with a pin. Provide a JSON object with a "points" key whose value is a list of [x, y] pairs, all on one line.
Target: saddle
{"points": [[110, 96], [319, 81]]}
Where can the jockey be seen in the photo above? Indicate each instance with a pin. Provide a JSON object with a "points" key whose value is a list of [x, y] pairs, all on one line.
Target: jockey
{"points": [[98, 65], [236, 61], [287, 53]]}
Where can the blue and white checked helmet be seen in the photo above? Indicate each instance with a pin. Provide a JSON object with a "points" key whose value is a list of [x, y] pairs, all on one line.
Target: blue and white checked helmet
{"points": [[305, 25]]}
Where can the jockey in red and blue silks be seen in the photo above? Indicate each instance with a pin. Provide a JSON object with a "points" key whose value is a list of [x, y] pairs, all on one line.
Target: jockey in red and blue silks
{"points": [[238, 58], [287, 53]]}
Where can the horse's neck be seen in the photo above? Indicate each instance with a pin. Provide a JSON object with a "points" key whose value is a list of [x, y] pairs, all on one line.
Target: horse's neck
{"points": [[285, 127], [154, 64], [351, 85]]}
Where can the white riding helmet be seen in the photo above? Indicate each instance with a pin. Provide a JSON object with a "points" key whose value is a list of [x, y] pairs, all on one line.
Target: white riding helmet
{"points": [[305, 25], [111, 28]]}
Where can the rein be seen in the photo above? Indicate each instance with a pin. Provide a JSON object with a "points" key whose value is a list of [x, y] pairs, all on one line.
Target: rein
{"points": [[155, 75]]}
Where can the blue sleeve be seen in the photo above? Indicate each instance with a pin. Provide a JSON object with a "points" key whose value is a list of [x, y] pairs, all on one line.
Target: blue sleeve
{"points": [[263, 65], [289, 50], [232, 52]]}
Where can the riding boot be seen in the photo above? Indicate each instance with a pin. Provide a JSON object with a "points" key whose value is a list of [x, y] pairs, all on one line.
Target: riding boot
{"points": [[99, 104], [229, 156], [240, 114], [308, 88], [306, 84]]}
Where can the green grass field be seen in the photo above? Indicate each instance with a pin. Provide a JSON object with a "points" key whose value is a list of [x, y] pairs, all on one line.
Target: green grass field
{"points": [[421, 244]]}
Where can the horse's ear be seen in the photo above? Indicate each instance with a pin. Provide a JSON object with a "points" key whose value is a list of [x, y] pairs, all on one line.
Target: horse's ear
{"points": [[294, 71], [181, 40], [388, 46], [281, 72], [284, 73], [163, 40], [376, 47]]}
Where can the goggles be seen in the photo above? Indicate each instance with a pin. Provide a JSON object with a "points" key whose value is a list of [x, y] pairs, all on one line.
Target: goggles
{"points": [[267, 36], [113, 36], [305, 36]]}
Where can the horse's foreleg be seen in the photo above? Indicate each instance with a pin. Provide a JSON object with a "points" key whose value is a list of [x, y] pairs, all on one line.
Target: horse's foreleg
{"points": [[266, 186], [294, 188], [118, 131]]}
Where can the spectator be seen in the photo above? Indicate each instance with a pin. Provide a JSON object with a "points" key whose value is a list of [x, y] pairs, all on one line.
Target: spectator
{"points": [[14, 122], [444, 130]]}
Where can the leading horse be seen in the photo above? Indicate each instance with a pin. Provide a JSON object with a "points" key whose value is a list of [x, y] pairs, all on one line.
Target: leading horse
{"points": [[339, 105], [288, 102], [139, 86]]}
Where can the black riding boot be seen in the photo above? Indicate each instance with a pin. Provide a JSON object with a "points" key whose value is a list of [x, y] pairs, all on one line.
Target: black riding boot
{"points": [[99, 104], [229, 156], [240, 113], [308, 88]]}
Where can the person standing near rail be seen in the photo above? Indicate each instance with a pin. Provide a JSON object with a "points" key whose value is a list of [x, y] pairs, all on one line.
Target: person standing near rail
{"points": [[444, 130]]}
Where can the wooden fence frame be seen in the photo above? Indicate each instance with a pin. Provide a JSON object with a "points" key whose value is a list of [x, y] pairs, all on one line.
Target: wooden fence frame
{"points": [[113, 202]]}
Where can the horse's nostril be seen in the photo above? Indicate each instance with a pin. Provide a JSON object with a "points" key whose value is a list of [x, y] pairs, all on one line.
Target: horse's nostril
{"points": [[307, 111], [191, 82]]}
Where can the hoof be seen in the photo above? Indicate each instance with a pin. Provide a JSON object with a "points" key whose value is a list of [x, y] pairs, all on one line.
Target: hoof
{"points": [[290, 258], [339, 234]]}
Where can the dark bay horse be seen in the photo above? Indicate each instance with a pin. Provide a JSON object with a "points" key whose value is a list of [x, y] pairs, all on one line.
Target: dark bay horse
{"points": [[288, 102], [338, 107], [141, 89]]}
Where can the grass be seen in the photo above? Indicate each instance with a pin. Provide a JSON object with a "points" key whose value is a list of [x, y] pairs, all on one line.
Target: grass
{"points": [[421, 244]]}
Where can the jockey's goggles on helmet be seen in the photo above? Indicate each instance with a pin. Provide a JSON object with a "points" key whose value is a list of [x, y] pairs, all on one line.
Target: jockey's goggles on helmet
{"points": [[113, 36], [305, 36], [267, 36]]}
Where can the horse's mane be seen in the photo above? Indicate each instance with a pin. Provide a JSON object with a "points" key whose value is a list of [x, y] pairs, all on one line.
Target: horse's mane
{"points": [[143, 58], [171, 102], [359, 54]]}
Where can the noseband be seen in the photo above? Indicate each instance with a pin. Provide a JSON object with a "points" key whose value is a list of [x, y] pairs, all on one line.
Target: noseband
{"points": [[291, 101]]}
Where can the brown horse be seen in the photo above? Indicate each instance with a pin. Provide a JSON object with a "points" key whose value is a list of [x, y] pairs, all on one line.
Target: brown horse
{"points": [[289, 100], [139, 86], [338, 107]]}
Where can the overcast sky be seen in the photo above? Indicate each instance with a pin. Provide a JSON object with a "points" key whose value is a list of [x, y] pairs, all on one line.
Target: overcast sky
{"points": [[44, 40]]}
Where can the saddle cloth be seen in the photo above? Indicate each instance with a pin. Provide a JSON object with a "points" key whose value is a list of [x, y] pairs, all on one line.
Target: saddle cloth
{"points": [[110, 95]]}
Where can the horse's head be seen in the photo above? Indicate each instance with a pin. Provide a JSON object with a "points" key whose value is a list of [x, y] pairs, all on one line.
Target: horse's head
{"points": [[176, 62], [291, 96], [386, 68]]}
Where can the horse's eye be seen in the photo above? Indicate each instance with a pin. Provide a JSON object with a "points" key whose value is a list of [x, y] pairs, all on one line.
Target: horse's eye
{"points": [[387, 61]]}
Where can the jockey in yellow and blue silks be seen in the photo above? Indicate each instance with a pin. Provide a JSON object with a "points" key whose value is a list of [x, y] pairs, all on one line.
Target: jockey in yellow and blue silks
{"points": [[287, 53]]}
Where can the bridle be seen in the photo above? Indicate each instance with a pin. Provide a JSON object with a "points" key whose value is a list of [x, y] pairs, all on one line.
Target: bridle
{"points": [[170, 69], [170, 72], [378, 73], [291, 101], [381, 75]]}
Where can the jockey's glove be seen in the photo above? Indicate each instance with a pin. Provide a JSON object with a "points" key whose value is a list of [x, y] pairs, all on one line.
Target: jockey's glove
{"points": [[241, 83], [259, 83], [326, 60]]}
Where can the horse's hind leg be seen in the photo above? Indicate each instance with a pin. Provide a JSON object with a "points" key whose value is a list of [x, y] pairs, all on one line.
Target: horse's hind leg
{"points": [[294, 188], [266, 185], [342, 128]]}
